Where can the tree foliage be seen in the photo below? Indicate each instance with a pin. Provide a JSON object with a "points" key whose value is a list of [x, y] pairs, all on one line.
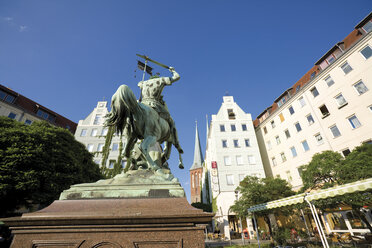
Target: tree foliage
{"points": [[256, 190], [38, 162]]}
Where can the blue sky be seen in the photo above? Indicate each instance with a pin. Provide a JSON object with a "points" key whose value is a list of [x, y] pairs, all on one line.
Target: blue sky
{"points": [[67, 55]]}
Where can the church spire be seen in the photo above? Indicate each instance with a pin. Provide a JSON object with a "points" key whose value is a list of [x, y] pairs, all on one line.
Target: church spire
{"points": [[198, 156]]}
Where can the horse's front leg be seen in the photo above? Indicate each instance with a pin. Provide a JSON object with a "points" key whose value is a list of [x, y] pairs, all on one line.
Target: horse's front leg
{"points": [[128, 148], [144, 147]]}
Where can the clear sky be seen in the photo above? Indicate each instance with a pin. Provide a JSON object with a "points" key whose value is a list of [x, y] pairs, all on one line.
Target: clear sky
{"points": [[67, 55]]}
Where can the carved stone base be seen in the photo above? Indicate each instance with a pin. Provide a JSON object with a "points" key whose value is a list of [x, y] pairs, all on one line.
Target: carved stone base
{"points": [[114, 223]]}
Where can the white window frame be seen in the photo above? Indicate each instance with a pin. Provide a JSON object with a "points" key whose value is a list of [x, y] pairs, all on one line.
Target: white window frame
{"points": [[353, 126], [294, 154], [307, 118], [363, 54], [319, 141], [338, 130], [227, 160], [302, 102], [83, 132], [239, 160], [251, 159], [341, 66], [325, 80], [308, 147], [360, 81], [337, 102], [229, 179]]}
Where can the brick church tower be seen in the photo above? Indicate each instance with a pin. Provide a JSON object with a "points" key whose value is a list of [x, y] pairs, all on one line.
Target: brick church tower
{"points": [[196, 170]]}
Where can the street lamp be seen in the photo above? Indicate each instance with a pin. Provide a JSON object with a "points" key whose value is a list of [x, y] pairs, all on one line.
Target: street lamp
{"points": [[240, 218]]}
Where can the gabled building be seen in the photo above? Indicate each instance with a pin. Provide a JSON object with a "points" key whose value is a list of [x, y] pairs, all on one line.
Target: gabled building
{"points": [[232, 153], [23, 109], [92, 133]]}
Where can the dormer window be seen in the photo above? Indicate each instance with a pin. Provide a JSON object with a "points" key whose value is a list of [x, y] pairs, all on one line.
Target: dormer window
{"points": [[281, 101], [231, 114], [45, 115], [312, 75], [368, 26], [6, 97]]}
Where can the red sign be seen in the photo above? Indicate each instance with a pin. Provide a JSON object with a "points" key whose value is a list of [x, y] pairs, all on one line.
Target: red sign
{"points": [[214, 165]]}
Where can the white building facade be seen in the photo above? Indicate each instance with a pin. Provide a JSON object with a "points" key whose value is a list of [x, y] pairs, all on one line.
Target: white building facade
{"points": [[232, 153], [92, 133], [330, 111]]}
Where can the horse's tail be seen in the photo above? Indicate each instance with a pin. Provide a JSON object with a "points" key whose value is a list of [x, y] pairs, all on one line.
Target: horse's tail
{"points": [[123, 102]]}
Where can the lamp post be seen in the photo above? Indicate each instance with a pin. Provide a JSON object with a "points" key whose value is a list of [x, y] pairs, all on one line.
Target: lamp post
{"points": [[240, 218]]}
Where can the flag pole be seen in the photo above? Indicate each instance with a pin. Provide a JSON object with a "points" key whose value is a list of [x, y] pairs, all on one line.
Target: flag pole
{"points": [[144, 70]]}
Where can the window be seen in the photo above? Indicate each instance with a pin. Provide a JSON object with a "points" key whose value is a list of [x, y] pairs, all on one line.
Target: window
{"points": [[224, 143], [298, 88], [281, 117], [98, 119], [305, 145], [273, 160], [293, 151], [227, 160], [360, 87], [277, 139], [287, 134], [288, 174], [104, 131], [323, 109], [329, 81], [265, 130], [310, 119], [299, 170], [247, 143], [319, 139], [281, 101], [122, 164], [251, 159], [193, 181], [367, 27], [291, 110], [94, 132], [90, 147], [231, 114], [115, 146], [282, 155], [354, 122], [346, 152], [6, 97], [244, 127], [366, 52], [298, 127], [111, 164], [241, 177], [43, 114], [12, 115], [340, 100], [302, 102], [239, 160], [100, 147], [236, 143], [233, 128], [97, 161], [230, 179], [28, 122], [314, 92], [335, 131], [346, 68], [83, 133], [222, 128], [312, 75], [370, 108], [273, 124], [268, 144]]}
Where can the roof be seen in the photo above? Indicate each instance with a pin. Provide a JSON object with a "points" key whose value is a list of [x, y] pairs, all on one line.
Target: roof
{"points": [[198, 156]]}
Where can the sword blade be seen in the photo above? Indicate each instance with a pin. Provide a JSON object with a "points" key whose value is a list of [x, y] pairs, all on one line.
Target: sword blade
{"points": [[153, 61]]}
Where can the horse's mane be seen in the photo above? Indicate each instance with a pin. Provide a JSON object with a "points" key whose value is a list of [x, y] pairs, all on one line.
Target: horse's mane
{"points": [[123, 104]]}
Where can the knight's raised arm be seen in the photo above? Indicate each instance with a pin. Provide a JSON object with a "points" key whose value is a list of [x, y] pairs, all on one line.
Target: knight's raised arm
{"points": [[175, 76]]}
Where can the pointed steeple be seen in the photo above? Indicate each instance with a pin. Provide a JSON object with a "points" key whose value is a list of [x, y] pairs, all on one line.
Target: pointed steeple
{"points": [[198, 156]]}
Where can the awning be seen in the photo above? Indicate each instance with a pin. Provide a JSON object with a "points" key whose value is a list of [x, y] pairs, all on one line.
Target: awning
{"points": [[361, 185]]}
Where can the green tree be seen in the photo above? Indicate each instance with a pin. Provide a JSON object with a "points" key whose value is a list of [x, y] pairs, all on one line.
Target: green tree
{"points": [[256, 190], [328, 169], [38, 162]]}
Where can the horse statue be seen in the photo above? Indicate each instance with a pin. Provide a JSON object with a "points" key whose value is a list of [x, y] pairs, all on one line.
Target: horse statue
{"points": [[139, 121]]}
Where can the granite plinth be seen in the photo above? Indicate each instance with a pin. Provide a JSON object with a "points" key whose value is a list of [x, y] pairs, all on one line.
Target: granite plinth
{"points": [[121, 223], [133, 184]]}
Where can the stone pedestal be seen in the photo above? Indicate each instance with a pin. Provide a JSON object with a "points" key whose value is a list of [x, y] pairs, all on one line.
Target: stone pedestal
{"points": [[139, 209], [126, 223]]}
